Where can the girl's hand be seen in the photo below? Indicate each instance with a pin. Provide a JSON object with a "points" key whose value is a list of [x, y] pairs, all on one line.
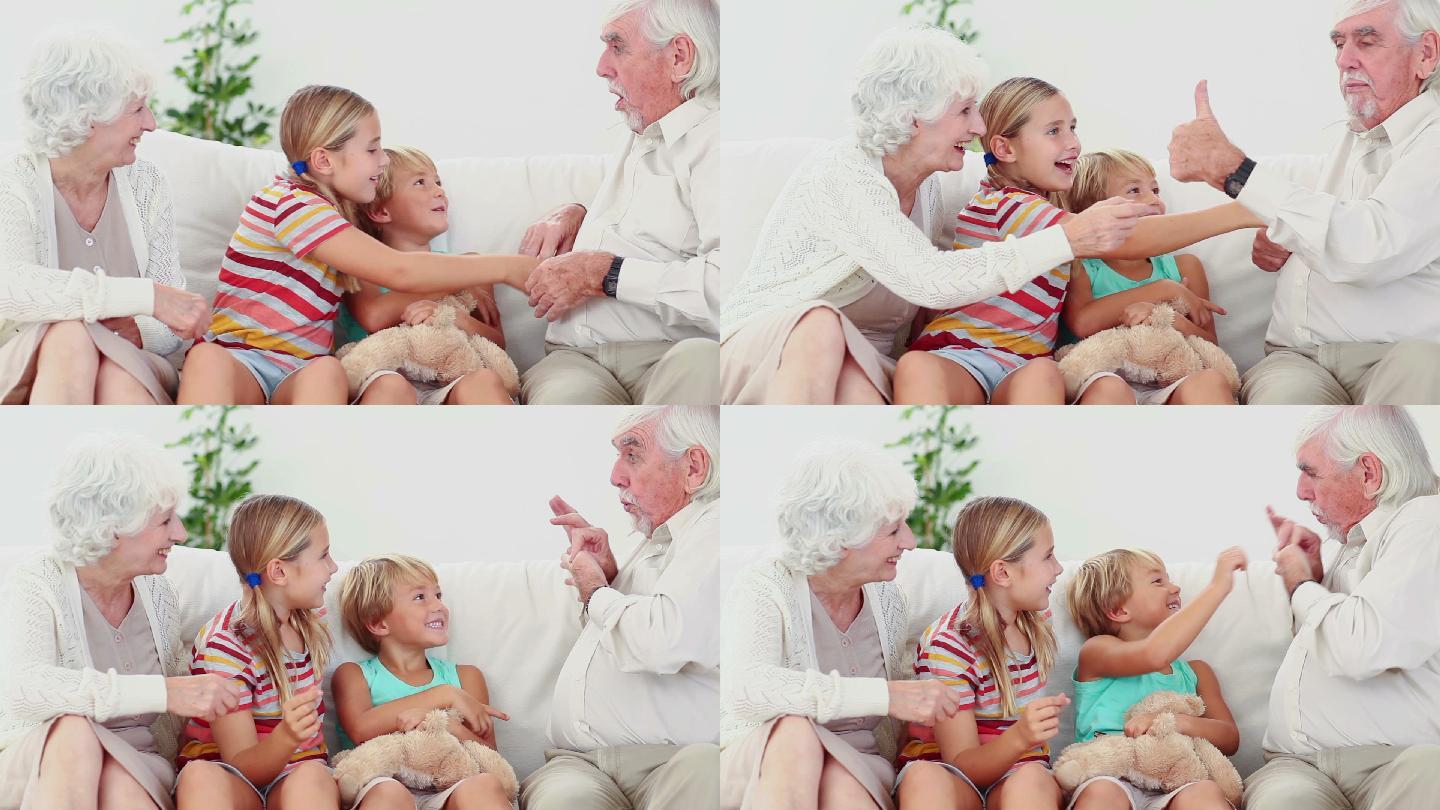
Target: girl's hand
{"points": [[519, 275], [922, 701], [1039, 720], [1230, 560], [1139, 724], [300, 716], [419, 312], [203, 696], [1136, 313]]}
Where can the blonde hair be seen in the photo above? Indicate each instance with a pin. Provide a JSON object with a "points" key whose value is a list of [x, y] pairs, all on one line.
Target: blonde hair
{"points": [[987, 530], [1102, 584], [368, 592], [1093, 171], [323, 117], [1005, 110], [402, 158], [265, 528]]}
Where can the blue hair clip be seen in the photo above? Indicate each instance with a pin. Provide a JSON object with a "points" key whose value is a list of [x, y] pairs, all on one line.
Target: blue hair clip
{"points": [[300, 167], [977, 581], [252, 579], [990, 159]]}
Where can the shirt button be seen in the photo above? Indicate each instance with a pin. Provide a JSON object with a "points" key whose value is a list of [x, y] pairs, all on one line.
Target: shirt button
{"points": [[853, 670], [844, 642], [99, 269], [126, 666], [89, 242], [118, 638]]}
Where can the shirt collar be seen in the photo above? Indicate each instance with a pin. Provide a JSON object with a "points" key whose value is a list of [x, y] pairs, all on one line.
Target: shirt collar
{"points": [[1407, 121], [681, 521], [1371, 526], [674, 124]]}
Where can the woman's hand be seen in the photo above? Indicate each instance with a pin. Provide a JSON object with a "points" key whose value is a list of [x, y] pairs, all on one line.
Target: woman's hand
{"points": [[203, 696], [1039, 720], [1103, 226], [187, 314], [922, 701], [125, 328], [300, 716]]}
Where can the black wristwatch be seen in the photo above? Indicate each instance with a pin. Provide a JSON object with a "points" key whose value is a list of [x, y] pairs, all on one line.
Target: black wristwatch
{"points": [[611, 281], [1237, 178]]}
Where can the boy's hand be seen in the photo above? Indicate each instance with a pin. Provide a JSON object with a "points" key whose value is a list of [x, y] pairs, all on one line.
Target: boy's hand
{"points": [[474, 714], [410, 719], [1290, 533], [1040, 720], [1226, 564], [419, 312], [1138, 725], [485, 306], [300, 715], [1136, 313]]}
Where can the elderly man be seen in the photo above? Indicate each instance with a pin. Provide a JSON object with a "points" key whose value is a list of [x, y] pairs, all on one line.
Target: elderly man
{"points": [[635, 718], [1356, 316], [634, 307], [1355, 707]]}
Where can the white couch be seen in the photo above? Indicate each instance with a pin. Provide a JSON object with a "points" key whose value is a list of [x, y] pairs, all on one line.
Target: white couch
{"points": [[759, 169], [516, 621], [492, 202], [1245, 641]]}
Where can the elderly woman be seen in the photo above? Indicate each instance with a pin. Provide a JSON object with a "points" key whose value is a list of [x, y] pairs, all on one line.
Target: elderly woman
{"points": [[813, 645], [91, 658], [91, 295], [858, 240]]}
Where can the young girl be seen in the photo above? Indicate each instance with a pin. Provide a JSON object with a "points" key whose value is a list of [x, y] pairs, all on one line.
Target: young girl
{"points": [[993, 752], [1121, 292], [271, 746], [998, 350], [295, 252]]}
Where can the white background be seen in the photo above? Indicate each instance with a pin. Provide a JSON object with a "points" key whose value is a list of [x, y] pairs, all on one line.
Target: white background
{"points": [[457, 79], [446, 484], [1183, 482], [1129, 67]]}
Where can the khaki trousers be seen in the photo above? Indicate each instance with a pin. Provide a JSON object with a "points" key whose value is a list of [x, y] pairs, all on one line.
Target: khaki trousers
{"points": [[1369, 777], [1404, 373], [628, 777], [649, 373]]}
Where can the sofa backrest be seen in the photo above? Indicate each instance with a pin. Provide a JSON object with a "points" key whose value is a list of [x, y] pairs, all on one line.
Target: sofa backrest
{"points": [[516, 621], [759, 169], [1244, 642]]}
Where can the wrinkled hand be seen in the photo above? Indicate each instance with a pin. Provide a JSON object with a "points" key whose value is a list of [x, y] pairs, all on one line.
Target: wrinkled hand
{"points": [[1199, 149], [560, 284], [1226, 564], [922, 701], [203, 696], [586, 575], [418, 312], [1290, 533], [125, 328], [187, 314], [1136, 313], [1293, 567], [1040, 720], [555, 233], [584, 537], [300, 715], [1103, 226], [1139, 724], [1267, 255]]}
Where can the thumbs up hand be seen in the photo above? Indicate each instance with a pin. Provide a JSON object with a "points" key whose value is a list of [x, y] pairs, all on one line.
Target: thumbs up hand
{"points": [[1199, 149]]}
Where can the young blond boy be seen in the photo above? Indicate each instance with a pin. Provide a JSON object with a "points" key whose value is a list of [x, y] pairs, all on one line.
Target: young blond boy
{"points": [[410, 209], [391, 604], [1136, 629]]}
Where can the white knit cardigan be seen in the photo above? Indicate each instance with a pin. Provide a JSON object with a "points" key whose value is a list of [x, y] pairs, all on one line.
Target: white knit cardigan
{"points": [[45, 664], [33, 289], [836, 230], [768, 661]]}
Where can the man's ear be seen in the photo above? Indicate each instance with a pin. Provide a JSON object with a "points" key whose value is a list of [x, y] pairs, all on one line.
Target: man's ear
{"points": [[1373, 474], [697, 468], [681, 57]]}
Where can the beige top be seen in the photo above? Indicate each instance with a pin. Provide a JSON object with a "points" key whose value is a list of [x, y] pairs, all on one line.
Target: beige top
{"points": [[853, 653], [127, 650], [106, 248]]}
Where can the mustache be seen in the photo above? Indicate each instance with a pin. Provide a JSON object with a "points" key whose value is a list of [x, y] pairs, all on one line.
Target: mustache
{"points": [[626, 498], [1357, 76]]}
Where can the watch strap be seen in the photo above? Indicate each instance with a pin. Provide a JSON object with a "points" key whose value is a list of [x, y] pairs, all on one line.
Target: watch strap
{"points": [[611, 282], [1237, 179]]}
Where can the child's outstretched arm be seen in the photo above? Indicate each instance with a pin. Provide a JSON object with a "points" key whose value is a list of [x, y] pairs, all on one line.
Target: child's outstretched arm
{"points": [[960, 746], [356, 253], [363, 721], [1085, 314], [1112, 657], [1167, 233], [261, 760]]}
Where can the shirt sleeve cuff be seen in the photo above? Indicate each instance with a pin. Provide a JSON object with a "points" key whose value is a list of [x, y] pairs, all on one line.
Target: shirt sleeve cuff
{"points": [[1038, 252], [1264, 191], [140, 694], [127, 297], [1307, 594], [602, 603], [639, 282], [864, 697]]}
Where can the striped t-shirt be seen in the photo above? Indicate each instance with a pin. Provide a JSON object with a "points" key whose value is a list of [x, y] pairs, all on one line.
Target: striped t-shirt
{"points": [[947, 652], [1010, 327], [271, 296], [220, 649]]}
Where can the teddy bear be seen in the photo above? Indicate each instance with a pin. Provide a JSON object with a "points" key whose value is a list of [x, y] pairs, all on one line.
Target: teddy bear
{"points": [[1153, 352], [427, 757], [1160, 759], [435, 351]]}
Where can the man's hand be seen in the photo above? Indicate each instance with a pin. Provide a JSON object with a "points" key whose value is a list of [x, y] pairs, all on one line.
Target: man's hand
{"points": [[1267, 255], [555, 233], [1199, 149], [585, 574], [1290, 533], [1293, 567], [125, 328], [560, 284], [584, 537]]}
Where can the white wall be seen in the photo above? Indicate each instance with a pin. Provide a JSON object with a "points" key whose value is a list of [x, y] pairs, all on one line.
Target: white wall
{"points": [[456, 79], [1129, 67], [1184, 485], [447, 484]]}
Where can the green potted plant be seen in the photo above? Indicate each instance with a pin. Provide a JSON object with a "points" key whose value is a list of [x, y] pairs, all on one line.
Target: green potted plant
{"points": [[938, 443], [218, 78], [939, 12], [219, 476]]}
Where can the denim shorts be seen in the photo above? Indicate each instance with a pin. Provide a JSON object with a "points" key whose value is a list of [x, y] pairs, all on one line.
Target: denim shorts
{"points": [[262, 792], [983, 794], [267, 367], [982, 365]]}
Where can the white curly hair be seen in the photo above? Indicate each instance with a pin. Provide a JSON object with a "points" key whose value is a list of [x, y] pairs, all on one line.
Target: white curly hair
{"points": [[910, 74], [109, 484], [838, 495], [75, 81]]}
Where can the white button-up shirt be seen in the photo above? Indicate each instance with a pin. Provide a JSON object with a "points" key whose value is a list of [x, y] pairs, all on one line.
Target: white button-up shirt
{"points": [[646, 667], [1364, 667], [659, 209], [1364, 231]]}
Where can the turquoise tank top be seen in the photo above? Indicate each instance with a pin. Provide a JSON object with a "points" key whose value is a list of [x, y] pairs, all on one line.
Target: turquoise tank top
{"points": [[385, 687], [1100, 704], [1105, 281]]}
